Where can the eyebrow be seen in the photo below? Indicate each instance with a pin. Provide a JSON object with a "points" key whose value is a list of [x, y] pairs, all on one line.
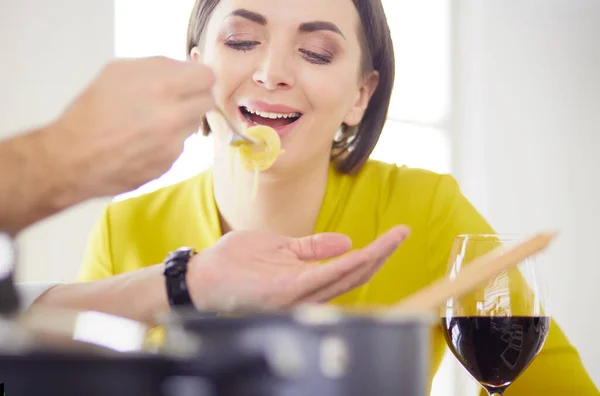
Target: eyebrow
{"points": [[250, 15], [316, 26], [307, 27]]}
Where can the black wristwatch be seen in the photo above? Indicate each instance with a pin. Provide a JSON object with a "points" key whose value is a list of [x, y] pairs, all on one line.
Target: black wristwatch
{"points": [[176, 265], [10, 300]]}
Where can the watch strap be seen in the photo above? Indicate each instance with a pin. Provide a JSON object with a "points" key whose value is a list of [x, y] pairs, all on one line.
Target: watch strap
{"points": [[176, 266]]}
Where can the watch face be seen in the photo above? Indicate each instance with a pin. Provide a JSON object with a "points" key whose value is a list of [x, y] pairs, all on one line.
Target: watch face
{"points": [[7, 255]]}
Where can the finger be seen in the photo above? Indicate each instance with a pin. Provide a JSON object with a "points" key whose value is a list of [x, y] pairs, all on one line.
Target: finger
{"points": [[174, 78], [320, 246], [191, 112], [322, 276], [347, 283], [350, 281], [189, 79], [386, 244]]}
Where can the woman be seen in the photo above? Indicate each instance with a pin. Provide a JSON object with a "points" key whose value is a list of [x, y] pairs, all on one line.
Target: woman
{"points": [[321, 74]]}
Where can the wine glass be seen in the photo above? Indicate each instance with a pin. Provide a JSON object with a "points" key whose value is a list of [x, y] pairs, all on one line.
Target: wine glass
{"points": [[498, 329]]}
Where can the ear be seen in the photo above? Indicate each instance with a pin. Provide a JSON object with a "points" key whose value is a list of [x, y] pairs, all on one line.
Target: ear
{"points": [[365, 92], [195, 54]]}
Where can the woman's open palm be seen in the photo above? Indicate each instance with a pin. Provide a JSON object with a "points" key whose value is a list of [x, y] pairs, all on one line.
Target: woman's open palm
{"points": [[255, 270]]}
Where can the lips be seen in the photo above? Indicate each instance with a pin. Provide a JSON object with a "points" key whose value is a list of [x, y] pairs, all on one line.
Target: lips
{"points": [[279, 117]]}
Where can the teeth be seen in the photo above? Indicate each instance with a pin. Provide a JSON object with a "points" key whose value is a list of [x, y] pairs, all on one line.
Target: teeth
{"points": [[273, 116]]}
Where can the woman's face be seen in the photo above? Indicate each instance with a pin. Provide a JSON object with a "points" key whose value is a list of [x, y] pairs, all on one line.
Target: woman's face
{"points": [[294, 65]]}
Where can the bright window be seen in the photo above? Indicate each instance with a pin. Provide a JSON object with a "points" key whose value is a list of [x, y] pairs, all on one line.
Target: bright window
{"points": [[416, 133]]}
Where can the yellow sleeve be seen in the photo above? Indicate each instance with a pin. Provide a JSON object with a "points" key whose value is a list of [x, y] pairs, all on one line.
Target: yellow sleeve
{"points": [[97, 259], [558, 369]]}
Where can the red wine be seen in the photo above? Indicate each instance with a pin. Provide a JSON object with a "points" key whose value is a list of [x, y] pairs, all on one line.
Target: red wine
{"points": [[495, 350]]}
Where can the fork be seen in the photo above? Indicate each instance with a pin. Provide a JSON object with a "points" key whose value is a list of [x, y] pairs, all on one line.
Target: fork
{"points": [[237, 137]]}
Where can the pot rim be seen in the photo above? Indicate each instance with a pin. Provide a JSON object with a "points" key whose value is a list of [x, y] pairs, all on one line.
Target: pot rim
{"points": [[307, 314]]}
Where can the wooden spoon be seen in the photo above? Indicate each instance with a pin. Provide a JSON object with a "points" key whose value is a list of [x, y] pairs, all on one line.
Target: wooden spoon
{"points": [[480, 270]]}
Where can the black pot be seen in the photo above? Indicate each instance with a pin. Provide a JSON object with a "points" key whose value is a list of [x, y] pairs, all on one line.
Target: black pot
{"points": [[58, 373], [314, 351], [54, 362]]}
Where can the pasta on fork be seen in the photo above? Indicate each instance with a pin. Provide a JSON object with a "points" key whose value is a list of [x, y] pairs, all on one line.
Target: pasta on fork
{"points": [[257, 159]]}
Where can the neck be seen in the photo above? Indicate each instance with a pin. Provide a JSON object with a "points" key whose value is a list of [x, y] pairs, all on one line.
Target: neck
{"points": [[285, 204]]}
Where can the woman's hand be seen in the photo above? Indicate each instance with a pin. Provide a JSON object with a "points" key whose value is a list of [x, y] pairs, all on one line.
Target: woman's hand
{"points": [[244, 270], [248, 270]]}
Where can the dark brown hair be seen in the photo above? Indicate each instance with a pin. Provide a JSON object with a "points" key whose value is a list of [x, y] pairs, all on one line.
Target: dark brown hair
{"points": [[356, 144]]}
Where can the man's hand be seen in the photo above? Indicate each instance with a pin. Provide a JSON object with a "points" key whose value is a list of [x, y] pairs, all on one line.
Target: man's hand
{"points": [[249, 270], [130, 124], [125, 129]]}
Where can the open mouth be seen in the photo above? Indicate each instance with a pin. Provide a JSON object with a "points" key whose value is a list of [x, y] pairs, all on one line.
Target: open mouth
{"points": [[273, 120]]}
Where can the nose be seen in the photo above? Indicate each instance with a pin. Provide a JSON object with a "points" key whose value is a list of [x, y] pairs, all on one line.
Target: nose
{"points": [[275, 72]]}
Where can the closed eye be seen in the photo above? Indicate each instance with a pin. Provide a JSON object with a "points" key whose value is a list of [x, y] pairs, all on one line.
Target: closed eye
{"points": [[316, 58], [312, 57], [241, 45]]}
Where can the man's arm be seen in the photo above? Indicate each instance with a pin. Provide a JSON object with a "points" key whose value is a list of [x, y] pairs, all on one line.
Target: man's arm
{"points": [[33, 185], [124, 130]]}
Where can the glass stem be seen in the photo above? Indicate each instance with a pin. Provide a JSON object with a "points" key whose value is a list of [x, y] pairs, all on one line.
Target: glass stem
{"points": [[496, 391]]}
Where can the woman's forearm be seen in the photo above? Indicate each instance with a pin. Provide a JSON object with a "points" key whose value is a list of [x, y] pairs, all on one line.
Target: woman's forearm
{"points": [[137, 295]]}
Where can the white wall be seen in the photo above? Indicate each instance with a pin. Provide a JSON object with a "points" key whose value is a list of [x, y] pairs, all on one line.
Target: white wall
{"points": [[50, 51], [528, 139]]}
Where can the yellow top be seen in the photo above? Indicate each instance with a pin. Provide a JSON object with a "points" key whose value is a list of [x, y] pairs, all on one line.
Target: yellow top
{"points": [[141, 231]]}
